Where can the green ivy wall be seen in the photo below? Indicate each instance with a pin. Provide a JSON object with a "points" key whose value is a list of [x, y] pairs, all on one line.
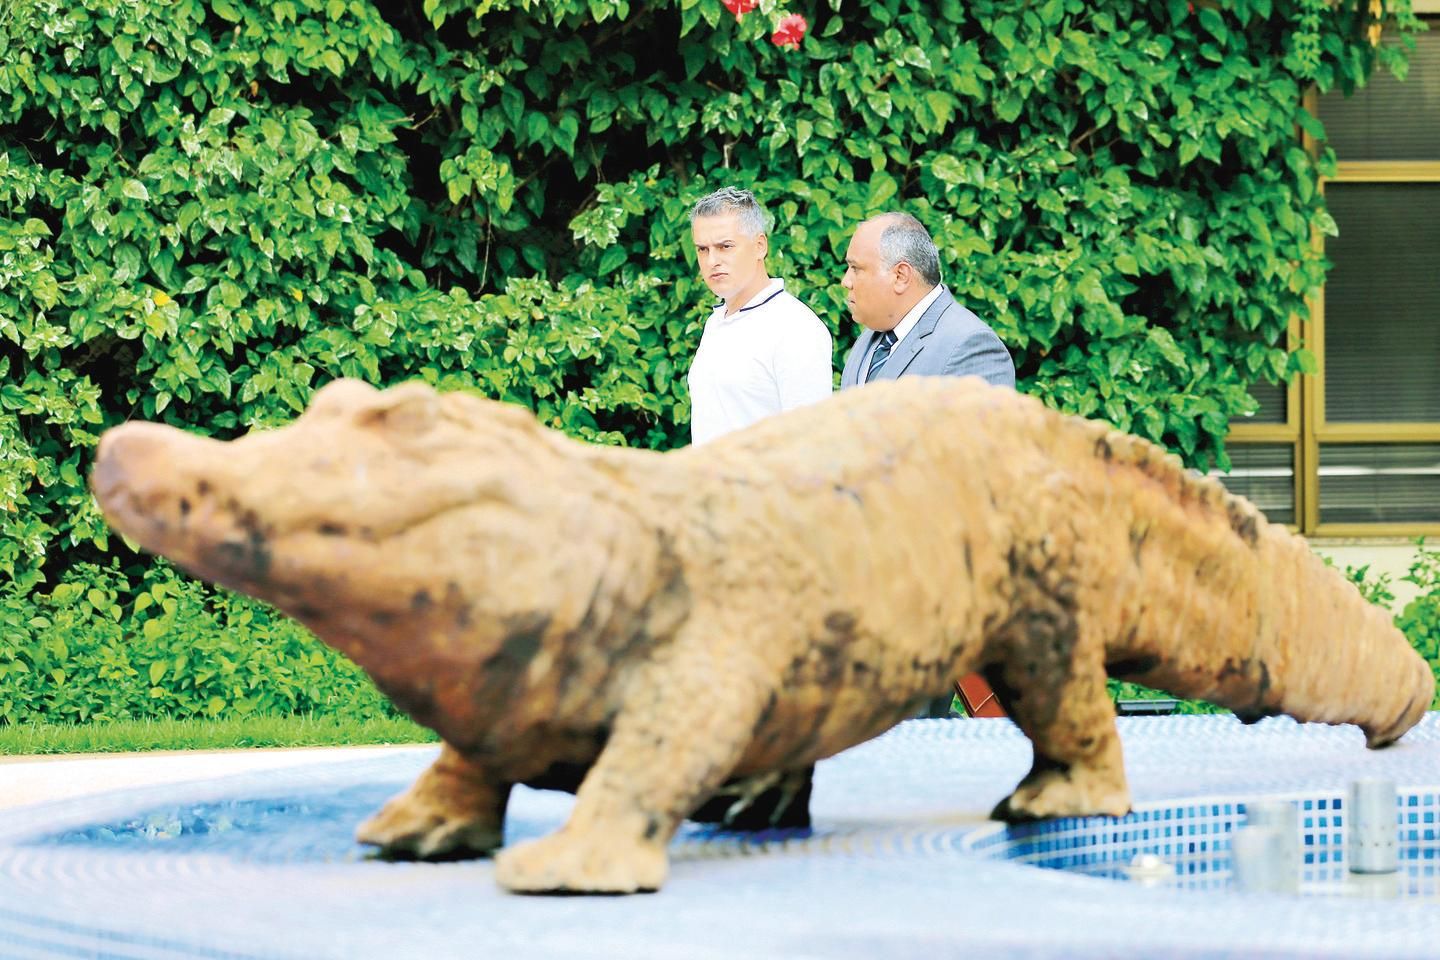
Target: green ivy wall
{"points": [[209, 209]]}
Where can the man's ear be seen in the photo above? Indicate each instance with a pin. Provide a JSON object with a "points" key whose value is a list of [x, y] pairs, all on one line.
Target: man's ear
{"points": [[763, 242], [904, 276]]}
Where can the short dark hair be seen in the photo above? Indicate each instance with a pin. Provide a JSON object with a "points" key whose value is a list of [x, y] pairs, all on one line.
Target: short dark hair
{"points": [[730, 200], [905, 240]]}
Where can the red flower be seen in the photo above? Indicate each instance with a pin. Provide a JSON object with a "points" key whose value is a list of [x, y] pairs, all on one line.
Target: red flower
{"points": [[740, 7], [790, 32]]}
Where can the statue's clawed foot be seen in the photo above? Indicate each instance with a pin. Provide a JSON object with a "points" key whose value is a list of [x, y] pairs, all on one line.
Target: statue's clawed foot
{"points": [[407, 830], [570, 862], [451, 813], [778, 799], [1074, 791]]}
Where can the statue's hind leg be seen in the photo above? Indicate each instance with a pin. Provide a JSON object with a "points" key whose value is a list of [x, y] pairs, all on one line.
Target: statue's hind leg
{"points": [[780, 799], [1053, 685]]}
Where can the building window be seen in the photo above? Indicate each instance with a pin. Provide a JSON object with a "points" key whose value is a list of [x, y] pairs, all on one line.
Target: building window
{"points": [[1354, 450]]}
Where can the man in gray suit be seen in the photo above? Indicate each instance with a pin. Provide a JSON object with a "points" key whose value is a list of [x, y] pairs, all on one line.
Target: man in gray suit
{"points": [[913, 326]]}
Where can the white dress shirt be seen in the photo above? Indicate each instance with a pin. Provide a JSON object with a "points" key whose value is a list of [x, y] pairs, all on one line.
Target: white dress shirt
{"points": [[906, 324], [772, 354]]}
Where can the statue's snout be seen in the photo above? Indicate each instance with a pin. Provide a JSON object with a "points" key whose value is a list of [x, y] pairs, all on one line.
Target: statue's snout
{"points": [[125, 453], [145, 477]]}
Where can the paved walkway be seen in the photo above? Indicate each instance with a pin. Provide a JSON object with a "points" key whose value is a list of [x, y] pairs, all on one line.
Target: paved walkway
{"points": [[28, 780]]}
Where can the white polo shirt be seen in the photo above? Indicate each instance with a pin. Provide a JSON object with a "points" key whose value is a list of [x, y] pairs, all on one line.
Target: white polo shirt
{"points": [[772, 354]]}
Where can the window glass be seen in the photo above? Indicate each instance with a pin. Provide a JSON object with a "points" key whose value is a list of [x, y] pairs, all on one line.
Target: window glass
{"points": [[1380, 483], [1272, 399], [1389, 119], [1264, 474], [1382, 303]]}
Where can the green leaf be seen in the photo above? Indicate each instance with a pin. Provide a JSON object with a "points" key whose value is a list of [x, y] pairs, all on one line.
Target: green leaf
{"points": [[882, 188], [135, 190], [1009, 105], [804, 130], [611, 259], [1213, 22], [947, 169]]}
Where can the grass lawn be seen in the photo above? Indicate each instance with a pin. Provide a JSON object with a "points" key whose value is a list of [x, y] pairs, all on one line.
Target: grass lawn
{"points": [[121, 736]]}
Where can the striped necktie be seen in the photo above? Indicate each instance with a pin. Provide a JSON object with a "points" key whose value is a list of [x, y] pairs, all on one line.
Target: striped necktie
{"points": [[880, 354]]}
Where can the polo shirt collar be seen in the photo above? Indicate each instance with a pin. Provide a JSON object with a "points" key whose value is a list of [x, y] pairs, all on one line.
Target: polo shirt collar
{"points": [[767, 293]]}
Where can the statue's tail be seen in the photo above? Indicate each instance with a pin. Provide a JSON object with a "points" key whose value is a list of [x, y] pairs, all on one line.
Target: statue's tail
{"points": [[1241, 612], [1338, 658], [1296, 638], [1285, 634]]}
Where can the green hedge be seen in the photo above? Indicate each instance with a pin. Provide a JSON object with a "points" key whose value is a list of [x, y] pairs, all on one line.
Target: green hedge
{"points": [[102, 646], [1419, 619], [209, 209]]}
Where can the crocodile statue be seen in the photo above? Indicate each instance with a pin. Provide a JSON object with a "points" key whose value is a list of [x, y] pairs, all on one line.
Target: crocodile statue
{"points": [[653, 629]]}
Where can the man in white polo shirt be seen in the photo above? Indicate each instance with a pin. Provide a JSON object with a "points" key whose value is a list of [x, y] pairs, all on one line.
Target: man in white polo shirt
{"points": [[763, 351]]}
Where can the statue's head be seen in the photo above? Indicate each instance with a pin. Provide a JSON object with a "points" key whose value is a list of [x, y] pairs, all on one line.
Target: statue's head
{"points": [[364, 480]]}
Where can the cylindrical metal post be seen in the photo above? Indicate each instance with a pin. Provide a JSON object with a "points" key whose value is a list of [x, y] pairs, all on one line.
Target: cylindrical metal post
{"points": [[1282, 817], [1371, 832], [1255, 859]]}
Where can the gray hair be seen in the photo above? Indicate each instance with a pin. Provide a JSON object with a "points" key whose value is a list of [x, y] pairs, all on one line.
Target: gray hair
{"points": [[730, 200], [905, 240]]}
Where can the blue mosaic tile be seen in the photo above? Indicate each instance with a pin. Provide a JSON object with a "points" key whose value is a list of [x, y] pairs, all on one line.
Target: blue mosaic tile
{"points": [[901, 862]]}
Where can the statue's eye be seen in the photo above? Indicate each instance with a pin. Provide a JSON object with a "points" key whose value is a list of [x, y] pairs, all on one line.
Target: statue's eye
{"points": [[341, 395], [411, 414]]}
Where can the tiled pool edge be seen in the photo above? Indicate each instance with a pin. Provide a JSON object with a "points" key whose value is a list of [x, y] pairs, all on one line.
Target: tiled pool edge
{"points": [[892, 881]]}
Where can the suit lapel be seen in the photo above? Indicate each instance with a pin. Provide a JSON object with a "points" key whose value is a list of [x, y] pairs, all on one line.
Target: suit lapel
{"points": [[851, 375], [909, 348]]}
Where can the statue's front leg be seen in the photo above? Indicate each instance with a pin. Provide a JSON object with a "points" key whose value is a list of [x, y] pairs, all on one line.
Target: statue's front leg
{"points": [[455, 810], [685, 725], [1066, 711]]}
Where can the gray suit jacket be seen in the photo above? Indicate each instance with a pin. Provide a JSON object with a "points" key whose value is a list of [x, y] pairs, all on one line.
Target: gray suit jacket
{"points": [[948, 341]]}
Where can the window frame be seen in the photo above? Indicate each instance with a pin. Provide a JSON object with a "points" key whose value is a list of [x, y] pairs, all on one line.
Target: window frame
{"points": [[1316, 430], [1305, 427]]}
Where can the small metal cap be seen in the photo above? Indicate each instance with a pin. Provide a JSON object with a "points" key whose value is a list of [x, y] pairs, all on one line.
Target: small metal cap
{"points": [[1149, 870]]}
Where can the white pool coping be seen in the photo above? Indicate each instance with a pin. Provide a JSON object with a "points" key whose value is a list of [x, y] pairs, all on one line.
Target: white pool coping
{"points": [[27, 780]]}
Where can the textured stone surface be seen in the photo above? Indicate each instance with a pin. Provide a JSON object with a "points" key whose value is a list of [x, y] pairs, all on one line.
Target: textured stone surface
{"points": [[649, 626]]}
